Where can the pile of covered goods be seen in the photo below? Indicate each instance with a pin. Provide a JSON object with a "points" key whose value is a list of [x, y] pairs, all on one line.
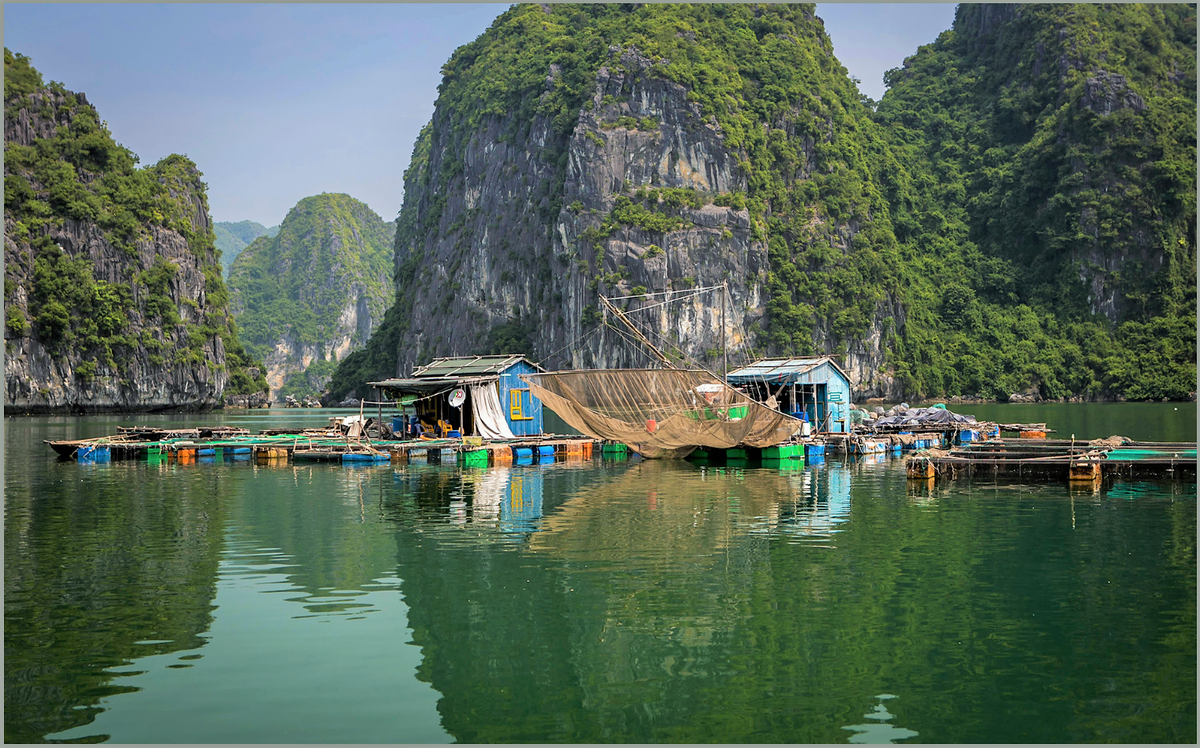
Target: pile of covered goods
{"points": [[904, 418]]}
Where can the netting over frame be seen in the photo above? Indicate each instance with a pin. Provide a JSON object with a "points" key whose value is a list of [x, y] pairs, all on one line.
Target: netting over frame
{"points": [[660, 412]]}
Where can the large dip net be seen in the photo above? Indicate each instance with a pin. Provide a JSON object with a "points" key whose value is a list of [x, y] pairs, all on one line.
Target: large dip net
{"points": [[660, 412]]}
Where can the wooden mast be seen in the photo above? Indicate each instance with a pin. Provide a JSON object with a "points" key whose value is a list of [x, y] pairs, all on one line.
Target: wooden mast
{"points": [[638, 333], [724, 335]]}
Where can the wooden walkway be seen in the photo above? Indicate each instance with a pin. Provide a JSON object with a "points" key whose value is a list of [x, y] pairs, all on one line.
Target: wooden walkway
{"points": [[1062, 459], [317, 445]]}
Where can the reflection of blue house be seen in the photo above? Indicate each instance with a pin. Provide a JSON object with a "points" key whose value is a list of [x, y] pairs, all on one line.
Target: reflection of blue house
{"points": [[822, 503], [815, 389], [496, 398], [521, 508]]}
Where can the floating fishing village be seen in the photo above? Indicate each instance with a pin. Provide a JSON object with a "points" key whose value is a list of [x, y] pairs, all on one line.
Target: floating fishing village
{"points": [[601, 373], [774, 413]]}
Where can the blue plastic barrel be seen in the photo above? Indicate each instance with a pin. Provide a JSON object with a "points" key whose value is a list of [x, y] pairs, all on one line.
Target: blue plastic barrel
{"points": [[546, 450], [520, 452], [93, 454], [209, 452], [241, 450], [355, 457]]}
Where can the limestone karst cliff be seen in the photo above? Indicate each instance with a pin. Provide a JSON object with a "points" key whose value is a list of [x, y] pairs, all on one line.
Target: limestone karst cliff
{"points": [[233, 237], [312, 293], [585, 150], [1016, 216], [1061, 258], [112, 286]]}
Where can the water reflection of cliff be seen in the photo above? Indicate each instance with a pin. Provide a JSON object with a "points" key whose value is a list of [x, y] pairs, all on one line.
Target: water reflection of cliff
{"points": [[661, 603], [320, 524], [96, 578], [610, 619]]}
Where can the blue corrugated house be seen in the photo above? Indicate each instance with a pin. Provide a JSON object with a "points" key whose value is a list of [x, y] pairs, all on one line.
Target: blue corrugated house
{"points": [[498, 403], [812, 389]]}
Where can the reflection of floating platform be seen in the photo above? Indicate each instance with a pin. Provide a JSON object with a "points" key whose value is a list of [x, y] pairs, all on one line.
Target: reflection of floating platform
{"points": [[1058, 459]]}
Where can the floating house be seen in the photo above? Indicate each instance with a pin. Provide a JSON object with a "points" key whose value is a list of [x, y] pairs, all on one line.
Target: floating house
{"points": [[471, 395], [811, 389]]}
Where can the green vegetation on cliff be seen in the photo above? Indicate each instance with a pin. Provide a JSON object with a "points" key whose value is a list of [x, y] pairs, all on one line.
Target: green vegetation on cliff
{"points": [[232, 238], [65, 176], [762, 73], [1035, 156], [331, 258], [1050, 216]]}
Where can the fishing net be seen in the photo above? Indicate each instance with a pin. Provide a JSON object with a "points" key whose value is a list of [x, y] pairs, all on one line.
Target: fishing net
{"points": [[660, 412]]}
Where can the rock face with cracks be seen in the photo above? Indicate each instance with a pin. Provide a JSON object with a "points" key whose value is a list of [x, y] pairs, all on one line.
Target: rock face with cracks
{"points": [[512, 230], [113, 291]]}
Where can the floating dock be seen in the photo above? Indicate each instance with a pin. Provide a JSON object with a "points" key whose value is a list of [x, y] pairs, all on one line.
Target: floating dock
{"points": [[1062, 459], [313, 445]]}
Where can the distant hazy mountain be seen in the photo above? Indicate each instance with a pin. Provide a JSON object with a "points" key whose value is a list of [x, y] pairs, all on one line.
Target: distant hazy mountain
{"points": [[309, 296], [232, 238]]}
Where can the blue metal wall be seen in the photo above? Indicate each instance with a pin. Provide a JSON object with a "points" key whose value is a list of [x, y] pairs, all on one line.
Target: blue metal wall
{"points": [[831, 411], [837, 393], [530, 422]]}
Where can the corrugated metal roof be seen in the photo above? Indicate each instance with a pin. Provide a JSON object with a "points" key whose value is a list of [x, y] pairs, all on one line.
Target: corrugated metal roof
{"points": [[459, 366], [425, 386], [773, 368]]}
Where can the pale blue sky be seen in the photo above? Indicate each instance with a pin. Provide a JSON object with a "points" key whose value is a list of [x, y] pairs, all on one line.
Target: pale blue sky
{"points": [[276, 102]]}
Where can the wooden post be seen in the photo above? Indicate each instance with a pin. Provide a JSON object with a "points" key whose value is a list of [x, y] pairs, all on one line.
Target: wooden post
{"points": [[724, 335]]}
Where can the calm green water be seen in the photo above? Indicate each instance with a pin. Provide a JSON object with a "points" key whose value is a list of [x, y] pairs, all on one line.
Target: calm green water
{"points": [[590, 601]]}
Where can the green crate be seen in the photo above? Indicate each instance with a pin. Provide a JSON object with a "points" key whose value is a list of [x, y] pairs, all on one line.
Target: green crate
{"points": [[614, 447], [474, 458], [737, 453], [783, 452]]}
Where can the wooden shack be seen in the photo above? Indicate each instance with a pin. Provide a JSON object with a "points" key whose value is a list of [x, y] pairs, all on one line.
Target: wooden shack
{"points": [[497, 403], [812, 389]]}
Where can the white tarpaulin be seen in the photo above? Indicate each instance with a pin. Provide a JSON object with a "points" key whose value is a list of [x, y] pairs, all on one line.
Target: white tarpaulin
{"points": [[490, 422]]}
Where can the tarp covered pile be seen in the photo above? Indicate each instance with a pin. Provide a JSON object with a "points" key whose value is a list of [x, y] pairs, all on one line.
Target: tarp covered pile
{"points": [[920, 418]]}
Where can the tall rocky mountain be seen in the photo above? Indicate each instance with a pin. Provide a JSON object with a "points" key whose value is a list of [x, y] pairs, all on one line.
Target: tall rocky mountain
{"points": [[610, 149], [308, 296], [232, 238], [1017, 216], [1061, 141], [113, 294]]}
